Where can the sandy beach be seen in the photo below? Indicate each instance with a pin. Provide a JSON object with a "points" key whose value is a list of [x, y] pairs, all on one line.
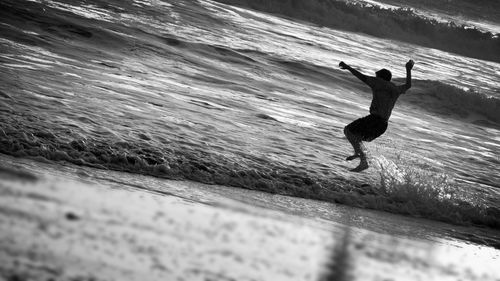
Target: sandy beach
{"points": [[66, 224]]}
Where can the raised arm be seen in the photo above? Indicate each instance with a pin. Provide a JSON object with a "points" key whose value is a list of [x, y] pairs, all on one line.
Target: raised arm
{"points": [[409, 66], [354, 72]]}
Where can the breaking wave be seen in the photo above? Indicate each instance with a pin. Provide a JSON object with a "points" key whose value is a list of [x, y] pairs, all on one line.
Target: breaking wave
{"points": [[401, 24], [248, 172], [441, 98]]}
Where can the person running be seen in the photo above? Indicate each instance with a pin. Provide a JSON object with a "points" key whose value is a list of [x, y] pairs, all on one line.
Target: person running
{"points": [[368, 128]]}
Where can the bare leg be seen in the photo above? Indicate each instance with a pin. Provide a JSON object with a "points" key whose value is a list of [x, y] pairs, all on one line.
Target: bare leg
{"points": [[363, 164], [357, 145]]}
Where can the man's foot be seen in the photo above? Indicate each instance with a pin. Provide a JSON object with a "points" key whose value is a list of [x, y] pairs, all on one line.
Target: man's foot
{"points": [[352, 157], [363, 165]]}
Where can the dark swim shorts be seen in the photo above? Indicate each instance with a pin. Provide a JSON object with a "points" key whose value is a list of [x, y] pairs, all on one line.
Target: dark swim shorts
{"points": [[369, 127]]}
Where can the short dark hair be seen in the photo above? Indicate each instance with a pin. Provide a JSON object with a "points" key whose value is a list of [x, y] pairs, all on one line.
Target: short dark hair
{"points": [[384, 74]]}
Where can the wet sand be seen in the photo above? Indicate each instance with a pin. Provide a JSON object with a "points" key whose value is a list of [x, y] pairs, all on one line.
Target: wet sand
{"points": [[69, 223]]}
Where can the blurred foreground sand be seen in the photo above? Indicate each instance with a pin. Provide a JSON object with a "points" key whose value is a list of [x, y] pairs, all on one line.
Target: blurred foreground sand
{"points": [[61, 226]]}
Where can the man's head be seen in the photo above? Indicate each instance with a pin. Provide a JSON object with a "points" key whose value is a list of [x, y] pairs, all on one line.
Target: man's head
{"points": [[384, 74]]}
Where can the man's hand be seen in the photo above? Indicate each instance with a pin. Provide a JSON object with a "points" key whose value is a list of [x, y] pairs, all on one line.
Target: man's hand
{"points": [[343, 65], [410, 64], [354, 72]]}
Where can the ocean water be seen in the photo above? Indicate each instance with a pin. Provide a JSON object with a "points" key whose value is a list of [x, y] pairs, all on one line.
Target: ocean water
{"points": [[482, 15], [213, 93]]}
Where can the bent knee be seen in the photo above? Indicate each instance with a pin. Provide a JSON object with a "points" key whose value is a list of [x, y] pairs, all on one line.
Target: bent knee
{"points": [[351, 135]]}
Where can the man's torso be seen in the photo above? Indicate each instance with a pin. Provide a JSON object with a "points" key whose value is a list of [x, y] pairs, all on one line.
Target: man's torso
{"points": [[385, 95]]}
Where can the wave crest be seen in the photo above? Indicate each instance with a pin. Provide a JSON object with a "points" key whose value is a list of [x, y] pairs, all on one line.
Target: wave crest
{"points": [[401, 24], [441, 98]]}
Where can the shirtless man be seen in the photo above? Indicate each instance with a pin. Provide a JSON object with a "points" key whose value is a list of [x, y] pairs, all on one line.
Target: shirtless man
{"points": [[370, 127]]}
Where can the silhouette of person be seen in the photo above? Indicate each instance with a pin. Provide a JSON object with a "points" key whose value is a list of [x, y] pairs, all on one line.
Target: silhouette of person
{"points": [[368, 128]]}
